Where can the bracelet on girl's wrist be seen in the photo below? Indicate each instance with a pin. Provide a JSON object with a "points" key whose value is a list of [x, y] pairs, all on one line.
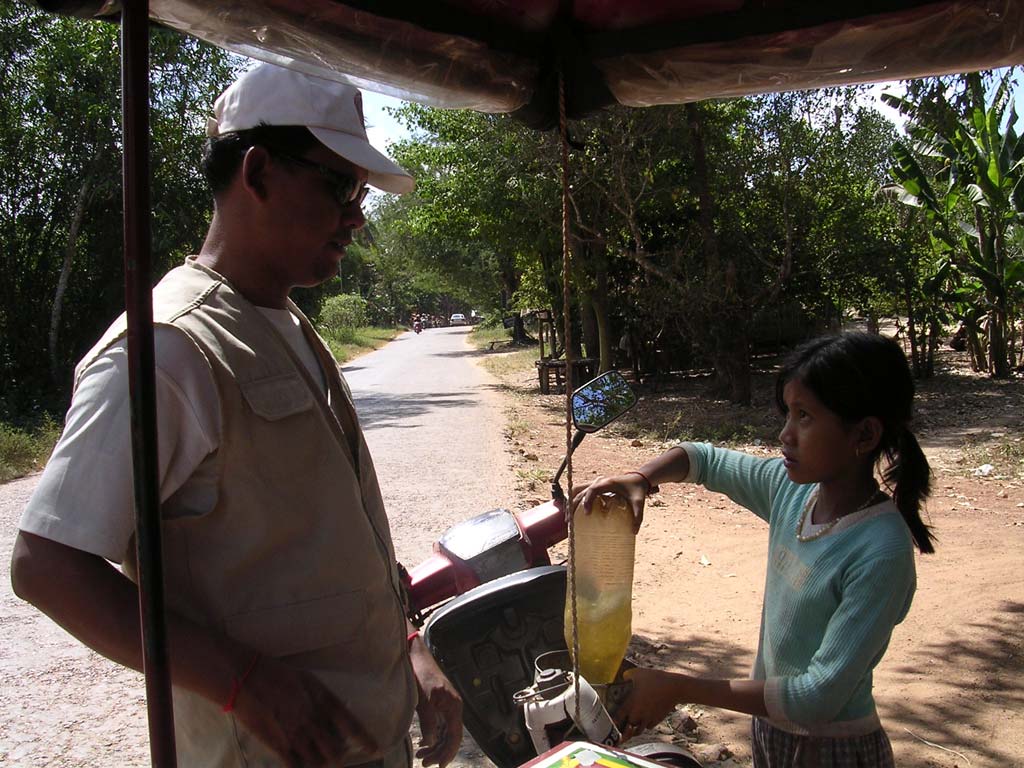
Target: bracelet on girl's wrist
{"points": [[651, 487]]}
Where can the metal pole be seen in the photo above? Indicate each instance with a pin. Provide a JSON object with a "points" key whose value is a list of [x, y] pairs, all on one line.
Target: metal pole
{"points": [[141, 376]]}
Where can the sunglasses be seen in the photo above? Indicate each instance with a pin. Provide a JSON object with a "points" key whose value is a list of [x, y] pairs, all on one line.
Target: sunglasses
{"points": [[345, 189]]}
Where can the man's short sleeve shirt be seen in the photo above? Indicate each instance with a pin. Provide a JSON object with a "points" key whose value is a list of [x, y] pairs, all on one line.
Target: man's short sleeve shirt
{"points": [[85, 495]]}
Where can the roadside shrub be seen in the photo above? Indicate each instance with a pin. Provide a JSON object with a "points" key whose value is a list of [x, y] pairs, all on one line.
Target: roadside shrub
{"points": [[380, 313], [341, 315], [22, 452], [492, 320]]}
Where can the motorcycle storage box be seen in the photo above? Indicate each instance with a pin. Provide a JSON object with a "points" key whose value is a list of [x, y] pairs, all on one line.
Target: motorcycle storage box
{"points": [[486, 642]]}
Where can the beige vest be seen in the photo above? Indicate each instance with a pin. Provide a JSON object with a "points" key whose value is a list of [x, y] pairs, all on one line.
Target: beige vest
{"points": [[296, 558]]}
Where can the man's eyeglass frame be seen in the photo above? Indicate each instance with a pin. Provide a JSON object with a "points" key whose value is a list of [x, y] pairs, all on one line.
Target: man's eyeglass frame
{"points": [[345, 189]]}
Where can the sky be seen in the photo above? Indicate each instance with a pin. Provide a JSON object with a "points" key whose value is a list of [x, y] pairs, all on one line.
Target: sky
{"points": [[383, 129]]}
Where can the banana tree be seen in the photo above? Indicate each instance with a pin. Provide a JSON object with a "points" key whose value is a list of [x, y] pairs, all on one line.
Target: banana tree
{"points": [[963, 168]]}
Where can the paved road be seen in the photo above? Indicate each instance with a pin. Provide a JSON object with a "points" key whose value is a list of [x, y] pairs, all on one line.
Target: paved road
{"points": [[433, 423]]}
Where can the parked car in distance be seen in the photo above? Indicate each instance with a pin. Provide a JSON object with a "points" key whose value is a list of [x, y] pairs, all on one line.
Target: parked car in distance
{"points": [[457, 319]]}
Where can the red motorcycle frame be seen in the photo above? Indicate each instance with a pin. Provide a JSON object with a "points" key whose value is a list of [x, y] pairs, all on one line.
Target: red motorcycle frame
{"points": [[481, 549]]}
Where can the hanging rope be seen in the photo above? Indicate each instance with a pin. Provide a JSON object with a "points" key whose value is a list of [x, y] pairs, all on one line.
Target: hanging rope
{"points": [[563, 130]]}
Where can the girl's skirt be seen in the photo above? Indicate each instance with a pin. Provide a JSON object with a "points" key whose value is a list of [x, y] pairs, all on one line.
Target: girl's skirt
{"points": [[775, 748]]}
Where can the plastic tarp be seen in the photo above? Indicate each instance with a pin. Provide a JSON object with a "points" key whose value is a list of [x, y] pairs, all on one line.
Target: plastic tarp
{"points": [[504, 55]]}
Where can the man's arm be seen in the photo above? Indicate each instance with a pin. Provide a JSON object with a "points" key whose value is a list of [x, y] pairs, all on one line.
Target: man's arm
{"points": [[439, 707], [99, 605], [289, 710]]}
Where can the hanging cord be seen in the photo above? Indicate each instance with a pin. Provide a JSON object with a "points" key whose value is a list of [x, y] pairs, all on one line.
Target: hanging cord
{"points": [[563, 129]]}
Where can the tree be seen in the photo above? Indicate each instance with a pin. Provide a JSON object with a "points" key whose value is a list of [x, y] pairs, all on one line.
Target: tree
{"points": [[485, 202], [690, 224], [60, 205], [964, 169]]}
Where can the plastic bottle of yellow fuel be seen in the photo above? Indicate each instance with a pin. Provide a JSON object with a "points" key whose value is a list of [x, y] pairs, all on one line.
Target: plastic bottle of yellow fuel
{"points": [[605, 545]]}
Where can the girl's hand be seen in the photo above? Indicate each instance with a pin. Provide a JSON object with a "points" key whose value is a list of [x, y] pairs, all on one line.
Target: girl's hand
{"points": [[653, 696], [632, 487]]}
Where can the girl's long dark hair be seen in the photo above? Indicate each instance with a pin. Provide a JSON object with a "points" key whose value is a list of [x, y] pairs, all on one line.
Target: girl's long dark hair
{"points": [[857, 375]]}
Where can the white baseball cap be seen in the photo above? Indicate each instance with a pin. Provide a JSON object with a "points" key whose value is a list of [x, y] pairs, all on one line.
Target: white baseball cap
{"points": [[332, 111]]}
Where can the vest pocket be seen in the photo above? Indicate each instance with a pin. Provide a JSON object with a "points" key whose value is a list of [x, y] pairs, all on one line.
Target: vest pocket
{"points": [[301, 627], [282, 436], [277, 397]]}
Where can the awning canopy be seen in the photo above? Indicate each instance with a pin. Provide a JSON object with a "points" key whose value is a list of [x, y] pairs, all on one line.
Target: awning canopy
{"points": [[504, 55]]}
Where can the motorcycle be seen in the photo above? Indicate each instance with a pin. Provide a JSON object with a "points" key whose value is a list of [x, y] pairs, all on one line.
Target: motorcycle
{"points": [[417, 326], [490, 605]]}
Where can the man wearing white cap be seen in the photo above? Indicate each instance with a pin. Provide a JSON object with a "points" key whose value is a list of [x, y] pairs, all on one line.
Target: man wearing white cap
{"points": [[287, 637]]}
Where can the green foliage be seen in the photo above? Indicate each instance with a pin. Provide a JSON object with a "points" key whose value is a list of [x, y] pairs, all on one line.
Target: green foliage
{"points": [[486, 187], [491, 322], [341, 315], [61, 242], [691, 225], [23, 451], [359, 341], [963, 170], [533, 479], [786, 190], [501, 363], [487, 334], [1004, 453]]}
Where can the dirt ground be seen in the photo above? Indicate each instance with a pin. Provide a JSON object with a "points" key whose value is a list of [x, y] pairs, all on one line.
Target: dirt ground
{"points": [[951, 687]]}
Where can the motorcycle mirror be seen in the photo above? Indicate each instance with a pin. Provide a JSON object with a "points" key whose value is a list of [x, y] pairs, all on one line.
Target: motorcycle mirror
{"points": [[596, 404], [601, 401]]}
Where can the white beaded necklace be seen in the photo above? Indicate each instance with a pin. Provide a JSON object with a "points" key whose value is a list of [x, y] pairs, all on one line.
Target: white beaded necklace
{"points": [[812, 502]]}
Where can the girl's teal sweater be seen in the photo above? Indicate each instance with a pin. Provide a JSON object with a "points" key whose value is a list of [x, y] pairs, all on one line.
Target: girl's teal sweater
{"points": [[830, 604]]}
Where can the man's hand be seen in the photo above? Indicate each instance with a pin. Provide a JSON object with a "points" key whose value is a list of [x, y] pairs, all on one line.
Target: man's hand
{"points": [[439, 709], [297, 717], [291, 711]]}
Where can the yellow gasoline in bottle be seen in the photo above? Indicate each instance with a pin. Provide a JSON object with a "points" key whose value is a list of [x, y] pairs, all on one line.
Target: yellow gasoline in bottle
{"points": [[605, 544]]}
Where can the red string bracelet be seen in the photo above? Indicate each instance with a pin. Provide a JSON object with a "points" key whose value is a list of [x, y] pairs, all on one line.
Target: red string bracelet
{"points": [[412, 636], [237, 683], [651, 487]]}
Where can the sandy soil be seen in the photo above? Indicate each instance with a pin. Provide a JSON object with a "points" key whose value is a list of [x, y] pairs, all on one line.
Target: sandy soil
{"points": [[61, 704], [954, 672]]}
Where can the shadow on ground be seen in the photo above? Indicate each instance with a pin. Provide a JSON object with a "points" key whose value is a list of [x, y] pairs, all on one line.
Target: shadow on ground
{"points": [[954, 409], [950, 400], [983, 660], [463, 353], [386, 410], [699, 655]]}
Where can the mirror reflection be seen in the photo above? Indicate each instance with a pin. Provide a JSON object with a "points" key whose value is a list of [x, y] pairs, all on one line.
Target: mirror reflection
{"points": [[600, 401]]}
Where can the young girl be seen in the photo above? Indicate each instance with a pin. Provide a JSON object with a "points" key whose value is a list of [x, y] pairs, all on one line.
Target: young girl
{"points": [[840, 554]]}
